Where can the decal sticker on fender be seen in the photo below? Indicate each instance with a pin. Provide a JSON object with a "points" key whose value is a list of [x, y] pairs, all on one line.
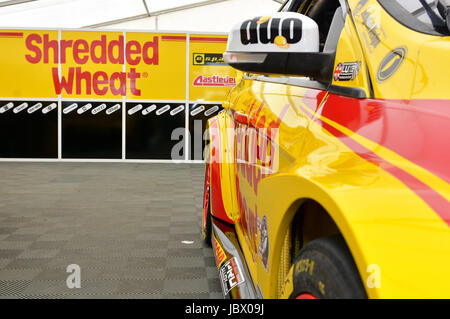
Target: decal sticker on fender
{"points": [[347, 71], [231, 275], [264, 242], [219, 254], [391, 63]]}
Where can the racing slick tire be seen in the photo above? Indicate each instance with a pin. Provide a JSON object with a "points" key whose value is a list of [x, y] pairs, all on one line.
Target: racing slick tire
{"points": [[324, 268]]}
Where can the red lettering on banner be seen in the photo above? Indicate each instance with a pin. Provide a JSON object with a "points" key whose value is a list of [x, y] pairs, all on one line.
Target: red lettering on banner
{"points": [[80, 47], [33, 48], [119, 45], [99, 51], [53, 44], [86, 76], [66, 84], [122, 77], [133, 47], [154, 57], [101, 44], [214, 80], [65, 44], [96, 82], [133, 75]]}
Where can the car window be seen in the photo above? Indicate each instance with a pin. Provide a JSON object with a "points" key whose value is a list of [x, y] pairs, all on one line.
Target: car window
{"points": [[291, 6], [323, 12], [419, 15]]}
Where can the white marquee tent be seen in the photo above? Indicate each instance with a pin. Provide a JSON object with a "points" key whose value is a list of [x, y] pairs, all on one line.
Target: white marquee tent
{"points": [[186, 15]]}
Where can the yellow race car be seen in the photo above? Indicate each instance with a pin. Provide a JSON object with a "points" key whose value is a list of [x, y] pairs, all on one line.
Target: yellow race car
{"points": [[327, 173]]}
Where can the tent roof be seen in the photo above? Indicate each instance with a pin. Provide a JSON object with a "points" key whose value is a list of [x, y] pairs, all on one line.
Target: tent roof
{"points": [[80, 13]]}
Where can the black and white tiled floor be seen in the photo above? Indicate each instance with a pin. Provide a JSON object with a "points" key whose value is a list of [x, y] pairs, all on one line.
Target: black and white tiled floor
{"points": [[134, 230]]}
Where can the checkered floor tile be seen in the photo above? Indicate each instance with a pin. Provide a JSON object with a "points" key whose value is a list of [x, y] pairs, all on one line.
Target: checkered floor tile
{"points": [[133, 229]]}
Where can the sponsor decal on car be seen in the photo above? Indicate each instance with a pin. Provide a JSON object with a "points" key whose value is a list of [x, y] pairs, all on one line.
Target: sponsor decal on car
{"points": [[264, 242], [265, 30], [346, 71], [208, 59], [370, 19], [391, 63], [231, 275], [359, 6], [214, 80], [218, 253]]}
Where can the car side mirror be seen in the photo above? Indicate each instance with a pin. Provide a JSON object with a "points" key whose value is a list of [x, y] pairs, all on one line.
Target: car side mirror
{"points": [[284, 43]]}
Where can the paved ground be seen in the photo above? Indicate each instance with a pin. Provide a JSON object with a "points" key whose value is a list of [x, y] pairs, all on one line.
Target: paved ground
{"points": [[123, 224]]}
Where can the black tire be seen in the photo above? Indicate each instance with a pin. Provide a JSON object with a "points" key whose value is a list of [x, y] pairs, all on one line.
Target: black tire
{"points": [[208, 224], [324, 268]]}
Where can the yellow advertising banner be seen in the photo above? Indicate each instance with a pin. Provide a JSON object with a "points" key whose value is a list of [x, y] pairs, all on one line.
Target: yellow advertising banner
{"points": [[107, 65], [96, 94], [161, 70], [210, 78], [27, 69]]}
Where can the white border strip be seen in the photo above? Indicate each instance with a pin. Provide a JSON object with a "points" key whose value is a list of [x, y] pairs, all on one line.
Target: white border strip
{"points": [[187, 111], [96, 160], [112, 30], [59, 99], [124, 103]]}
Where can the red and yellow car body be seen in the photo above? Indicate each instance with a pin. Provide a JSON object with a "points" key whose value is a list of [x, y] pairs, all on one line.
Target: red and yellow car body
{"points": [[377, 164]]}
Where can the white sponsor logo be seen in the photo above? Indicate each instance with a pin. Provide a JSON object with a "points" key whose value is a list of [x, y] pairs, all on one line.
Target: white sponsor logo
{"points": [[212, 110], [34, 108], [49, 108], [135, 109], [20, 108], [177, 110], [164, 109], [112, 109], [98, 109], [149, 109], [199, 109], [70, 108], [84, 108], [6, 107]]}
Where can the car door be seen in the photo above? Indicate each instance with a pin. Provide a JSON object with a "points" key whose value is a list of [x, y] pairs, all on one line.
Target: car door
{"points": [[269, 127]]}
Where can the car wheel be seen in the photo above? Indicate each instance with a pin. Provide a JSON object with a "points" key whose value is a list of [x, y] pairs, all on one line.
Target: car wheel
{"points": [[324, 268]]}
